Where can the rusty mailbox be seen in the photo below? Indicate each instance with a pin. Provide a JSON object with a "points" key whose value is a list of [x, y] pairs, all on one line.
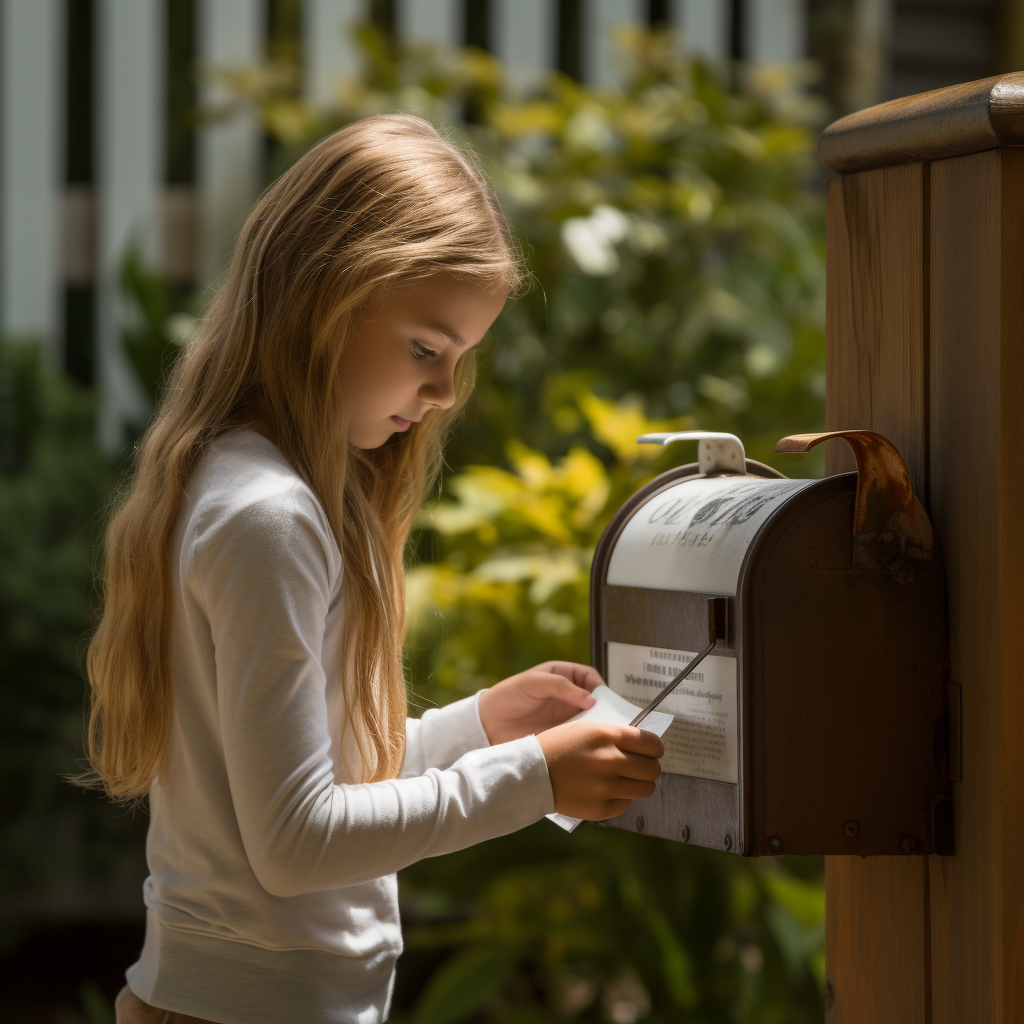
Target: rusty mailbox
{"points": [[819, 722]]}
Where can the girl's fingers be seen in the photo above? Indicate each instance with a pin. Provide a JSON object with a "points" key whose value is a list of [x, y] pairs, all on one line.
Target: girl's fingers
{"points": [[562, 689], [632, 740], [638, 767], [580, 675]]}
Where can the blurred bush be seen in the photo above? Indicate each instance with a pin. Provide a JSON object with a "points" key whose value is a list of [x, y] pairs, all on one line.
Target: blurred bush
{"points": [[676, 246], [61, 851], [508, 585]]}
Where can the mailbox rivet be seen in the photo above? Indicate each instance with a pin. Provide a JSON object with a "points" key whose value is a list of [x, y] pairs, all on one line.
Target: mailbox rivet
{"points": [[775, 843], [909, 844], [640, 824], [728, 842], [902, 571], [887, 537], [685, 834], [852, 828]]}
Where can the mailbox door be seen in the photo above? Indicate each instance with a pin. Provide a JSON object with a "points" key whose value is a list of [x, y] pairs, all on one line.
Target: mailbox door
{"points": [[846, 677]]}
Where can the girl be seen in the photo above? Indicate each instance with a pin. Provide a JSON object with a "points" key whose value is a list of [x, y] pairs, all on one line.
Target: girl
{"points": [[247, 671]]}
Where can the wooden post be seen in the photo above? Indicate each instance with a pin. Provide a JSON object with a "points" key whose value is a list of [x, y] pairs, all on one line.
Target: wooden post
{"points": [[524, 40], [430, 21], [328, 51], [129, 175], [230, 35], [925, 300], [603, 57], [31, 113]]}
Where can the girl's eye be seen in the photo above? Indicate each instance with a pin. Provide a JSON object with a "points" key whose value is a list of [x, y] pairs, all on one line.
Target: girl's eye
{"points": [[421, 351]]}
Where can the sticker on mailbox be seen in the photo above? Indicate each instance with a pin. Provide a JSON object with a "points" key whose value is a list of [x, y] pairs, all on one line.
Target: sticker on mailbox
{"points": [[703, 739], [694, 535]]}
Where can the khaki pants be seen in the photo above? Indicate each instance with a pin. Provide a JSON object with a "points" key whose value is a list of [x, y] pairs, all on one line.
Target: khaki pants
{"points": [[130, 1009]]}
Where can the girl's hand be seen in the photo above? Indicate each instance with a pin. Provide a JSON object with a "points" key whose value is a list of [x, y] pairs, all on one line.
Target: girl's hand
{"points": [[597, 768], [537, 699]]}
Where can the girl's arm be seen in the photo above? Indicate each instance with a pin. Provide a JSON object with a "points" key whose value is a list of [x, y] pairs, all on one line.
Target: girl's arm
{"points": [[530, 702], [265, 570], [442, 735]]}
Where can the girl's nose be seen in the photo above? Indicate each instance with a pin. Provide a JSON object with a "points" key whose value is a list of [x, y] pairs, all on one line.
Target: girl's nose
{"points": [[440, 389]]}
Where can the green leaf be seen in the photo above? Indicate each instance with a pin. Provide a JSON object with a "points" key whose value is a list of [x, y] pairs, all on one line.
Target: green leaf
{"points": [[96, 1006], [466, 983]]}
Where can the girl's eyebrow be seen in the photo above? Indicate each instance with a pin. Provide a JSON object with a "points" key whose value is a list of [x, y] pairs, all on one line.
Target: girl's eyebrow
{"points": [[454, 338]]}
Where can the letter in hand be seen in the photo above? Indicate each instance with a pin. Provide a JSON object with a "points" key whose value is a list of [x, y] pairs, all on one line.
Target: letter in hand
{"points": [[598, 768], [537, 699]]}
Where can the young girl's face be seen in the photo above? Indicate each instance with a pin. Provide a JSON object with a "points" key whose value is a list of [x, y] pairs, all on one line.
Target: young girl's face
{"points": [[399, 363]]}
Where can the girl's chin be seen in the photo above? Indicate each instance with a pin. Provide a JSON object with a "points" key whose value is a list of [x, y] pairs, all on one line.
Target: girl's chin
{"points": [[370, 438]]}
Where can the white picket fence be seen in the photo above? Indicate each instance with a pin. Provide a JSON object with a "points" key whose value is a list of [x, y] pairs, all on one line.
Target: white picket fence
{"points": [[49, 232]]}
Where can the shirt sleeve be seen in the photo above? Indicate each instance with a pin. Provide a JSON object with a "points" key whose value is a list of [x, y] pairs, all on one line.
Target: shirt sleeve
{"points": [[442, 735], [265, 573]]}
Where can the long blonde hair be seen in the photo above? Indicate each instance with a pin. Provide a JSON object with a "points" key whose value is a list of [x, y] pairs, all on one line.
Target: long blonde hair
{"points": [[382, 201]]}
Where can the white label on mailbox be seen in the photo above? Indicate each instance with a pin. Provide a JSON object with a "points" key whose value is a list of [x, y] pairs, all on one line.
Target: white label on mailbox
{"points": [[693, 536], [704, 738]]}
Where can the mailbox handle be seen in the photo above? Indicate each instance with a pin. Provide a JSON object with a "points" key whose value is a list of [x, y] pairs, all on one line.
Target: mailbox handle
{"points": [[716, 452], [891, 530]]}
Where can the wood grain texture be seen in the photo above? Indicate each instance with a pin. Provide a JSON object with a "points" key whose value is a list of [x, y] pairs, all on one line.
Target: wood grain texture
{"points": [[875, 909], [977, 426], [961, 119], [1011, 580], [876, 315], [876, 936]]}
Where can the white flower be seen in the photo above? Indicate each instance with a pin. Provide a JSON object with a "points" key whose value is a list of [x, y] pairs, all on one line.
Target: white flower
{"points": [[588, 130], [591, 240]]}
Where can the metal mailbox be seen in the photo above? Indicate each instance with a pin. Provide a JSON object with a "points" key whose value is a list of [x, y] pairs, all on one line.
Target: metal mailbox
{"points": [[819, 724]]}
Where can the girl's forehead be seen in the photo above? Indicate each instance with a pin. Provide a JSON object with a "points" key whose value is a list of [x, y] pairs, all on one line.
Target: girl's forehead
{"points": [[448, 304]]}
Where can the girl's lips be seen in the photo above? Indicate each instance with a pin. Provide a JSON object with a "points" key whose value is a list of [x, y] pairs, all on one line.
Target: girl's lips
{"points": [[401, 424]]}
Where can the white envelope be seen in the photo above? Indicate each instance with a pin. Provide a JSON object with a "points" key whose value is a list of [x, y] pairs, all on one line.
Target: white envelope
{"points": [[608, 706]]}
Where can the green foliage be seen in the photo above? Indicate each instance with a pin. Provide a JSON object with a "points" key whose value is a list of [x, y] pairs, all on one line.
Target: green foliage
{"points": [[161, 323], [53, 483], [465, 984], [608, 925], [676, 249], [509, 584], [95, 1005]]}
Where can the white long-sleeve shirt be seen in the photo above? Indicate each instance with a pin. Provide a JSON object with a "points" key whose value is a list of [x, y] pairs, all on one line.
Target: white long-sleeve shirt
{"points": [[271, 896]]}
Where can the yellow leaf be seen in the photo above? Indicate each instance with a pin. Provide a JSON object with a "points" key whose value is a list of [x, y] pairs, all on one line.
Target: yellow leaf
{"points": [[533, 467], [619, 424]]}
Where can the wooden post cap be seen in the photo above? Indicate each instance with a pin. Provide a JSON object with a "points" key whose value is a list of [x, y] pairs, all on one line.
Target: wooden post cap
{"points": [[968, 118]]}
